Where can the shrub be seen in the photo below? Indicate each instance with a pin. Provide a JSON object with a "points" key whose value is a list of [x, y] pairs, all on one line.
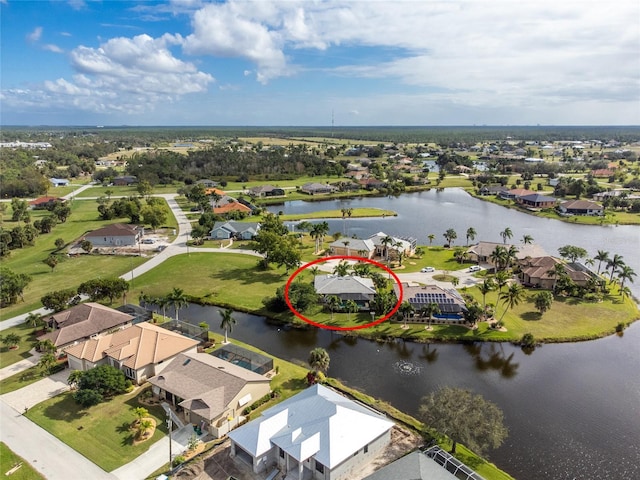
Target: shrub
{"points": [[528, 340], [620, 327], [178, 460], [87, 397]]}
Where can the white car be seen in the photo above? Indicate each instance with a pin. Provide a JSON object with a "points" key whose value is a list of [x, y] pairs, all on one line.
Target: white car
{"points": [[428, 270], [475, 268]]}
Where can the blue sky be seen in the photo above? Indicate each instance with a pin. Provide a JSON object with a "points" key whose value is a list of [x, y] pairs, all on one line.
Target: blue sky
{"points": [[294, 62]]}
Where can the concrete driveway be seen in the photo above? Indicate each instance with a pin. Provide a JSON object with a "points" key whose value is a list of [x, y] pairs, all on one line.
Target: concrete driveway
{"points": [[37, 392]]}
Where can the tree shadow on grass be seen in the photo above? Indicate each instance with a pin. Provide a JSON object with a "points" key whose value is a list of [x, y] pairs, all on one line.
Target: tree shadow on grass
{"points": [[67, 413], [250, 276], [531, 316], [294, 384]]}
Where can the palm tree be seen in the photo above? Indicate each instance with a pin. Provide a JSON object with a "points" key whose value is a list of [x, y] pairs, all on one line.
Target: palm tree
{"points": [[460, 254], [406, 310], [227, 322], [431, 237], [140, 413], [625, 292], [625, 273], [47, 362], [429, 310], [526, 239], [74, 378], [450, 235], [386, 241], [511, 297], [614, 264], [163, 303], [178, 299], [557, 272], [488, 285], [346, 244], [341, 269], [346, 212], [333, 302], [319, 360], [362, 269], [352, 307], [501, 278], [314, 271], [46, 346], [506, 233], [12, 340], [400, 251], [143, 426], [602, 256], [499, 256], [471, 234], [33, 319]]}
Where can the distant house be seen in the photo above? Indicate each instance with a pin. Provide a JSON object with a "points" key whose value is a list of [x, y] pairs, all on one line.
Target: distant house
{"points": [[536, 272], [349, 287], [237, 230], [83, 322], [353, 247], [316, 189], [534, 160], [215, 191], [227, 204], [140, 351], [581, 207], [125, 180], [316, 434], [452, 306], [515, 193], [383, 250], [371, 183], [267, 191], [59, 182], [492, 190], [537, 200], [207, 183], [481, 253], [44, 202], [603, 173], [211, 392], [115, 235]]}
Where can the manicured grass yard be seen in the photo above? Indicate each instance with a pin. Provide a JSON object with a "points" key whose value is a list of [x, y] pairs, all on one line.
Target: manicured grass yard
{"points": [[100, 433], [28, 339], [8, 460]]}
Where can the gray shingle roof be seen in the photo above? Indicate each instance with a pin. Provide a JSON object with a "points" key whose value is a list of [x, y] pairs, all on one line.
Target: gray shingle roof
{"points": [[335, 285]]}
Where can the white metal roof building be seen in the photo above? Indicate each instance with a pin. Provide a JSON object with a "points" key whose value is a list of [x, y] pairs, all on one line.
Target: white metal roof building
{"points": [[317, 433]]}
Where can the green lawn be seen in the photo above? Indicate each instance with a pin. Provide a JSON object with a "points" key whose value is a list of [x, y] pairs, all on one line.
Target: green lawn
{"points": [[118, 191], [101, 432], [356, 213], [8, 460], [70, 272]]}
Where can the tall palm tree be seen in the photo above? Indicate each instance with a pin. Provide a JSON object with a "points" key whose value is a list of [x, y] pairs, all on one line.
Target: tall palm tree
{"points": [[499, 256], [386, 242], [400, 251], [511, 297], [429, 310], [346, 244], [614, 264], [625, 272], [406, 310], [557, 272], [227, 322], [471, 234], [602, 256], [333, 302], [488, 285], [319, 360], [506, 233], [501, 278], [431, 237], [178, 300], [47, 362], [527, 239], [352, 307], [346, 212], [314, 271], [450, 235], [362, 269]]}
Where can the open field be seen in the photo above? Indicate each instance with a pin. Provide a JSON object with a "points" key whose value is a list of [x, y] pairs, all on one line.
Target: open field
{"points": [[100, 433], [8, 459]]}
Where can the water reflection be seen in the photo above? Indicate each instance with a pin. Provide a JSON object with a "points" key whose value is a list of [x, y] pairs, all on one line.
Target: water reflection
{"points": [[491, 356], [429, 353]]}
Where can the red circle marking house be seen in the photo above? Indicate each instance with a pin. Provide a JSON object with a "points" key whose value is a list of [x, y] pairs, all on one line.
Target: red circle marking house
{"points": [[342, 257]]}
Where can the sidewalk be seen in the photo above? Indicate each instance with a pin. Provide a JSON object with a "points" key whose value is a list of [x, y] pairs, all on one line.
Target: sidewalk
{"points": [[20, 366]]}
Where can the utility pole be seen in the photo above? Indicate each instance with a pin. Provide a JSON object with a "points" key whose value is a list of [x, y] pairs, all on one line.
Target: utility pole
{"points": [[170, 425]]}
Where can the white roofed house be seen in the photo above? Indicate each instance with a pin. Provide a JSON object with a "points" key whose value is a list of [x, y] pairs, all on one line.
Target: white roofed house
{"points": [[316, 434], [390, 249], [353, 247]]}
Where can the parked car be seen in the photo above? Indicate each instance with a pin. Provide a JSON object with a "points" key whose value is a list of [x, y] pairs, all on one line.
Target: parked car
{"points": [[428, 270], [148, 241], [475, 268]]}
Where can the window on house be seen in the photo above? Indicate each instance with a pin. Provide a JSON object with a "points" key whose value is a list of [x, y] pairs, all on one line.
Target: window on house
{"points": [[366, 449], [281, 453], [319, 467]]}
